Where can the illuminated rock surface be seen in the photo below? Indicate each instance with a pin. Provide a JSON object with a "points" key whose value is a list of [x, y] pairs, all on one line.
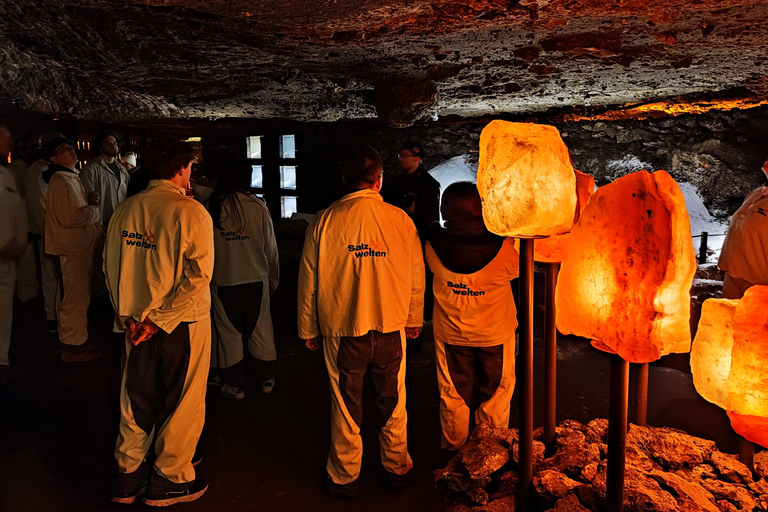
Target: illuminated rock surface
{"points": [[678, 473], [526, 180], [729, 360], [626, 279]]}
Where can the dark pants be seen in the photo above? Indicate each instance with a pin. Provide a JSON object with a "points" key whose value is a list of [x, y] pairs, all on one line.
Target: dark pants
{"points": [[242, 304], [475, 371]]}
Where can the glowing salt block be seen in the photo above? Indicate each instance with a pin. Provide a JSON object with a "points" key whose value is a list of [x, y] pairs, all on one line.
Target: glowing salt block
{"points": [[711, 350], [628, 270], [552, 249], [526, 180], [748, 378]]}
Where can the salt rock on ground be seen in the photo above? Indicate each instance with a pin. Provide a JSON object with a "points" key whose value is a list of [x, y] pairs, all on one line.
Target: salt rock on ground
{"points": [[552, 249], [597, 430], [572, 452], [689, 496], [477, 496], [731, 468], [668, 447], [525, 180], [569, 504], [761, 463], [538, 453], [737, 494], [704, 471], [481, 457], [453, 477], [628, 270], [552, 485], [507, 482], [641, 493], [727, 506]]}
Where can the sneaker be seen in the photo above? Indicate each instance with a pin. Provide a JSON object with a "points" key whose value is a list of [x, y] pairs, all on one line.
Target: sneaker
{"points": [[232, 392], [198, 488], [91, 353], [128, 498], [268, 385], [215, 381], [53, 325]]}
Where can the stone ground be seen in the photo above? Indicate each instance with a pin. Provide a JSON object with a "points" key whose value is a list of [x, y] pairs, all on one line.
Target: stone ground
{"points": [[58, 424]]}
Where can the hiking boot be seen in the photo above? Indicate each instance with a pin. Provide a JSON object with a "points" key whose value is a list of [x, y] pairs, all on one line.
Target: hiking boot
{"points": [[268, 385], [215, 380], [91, 353], [232, 392], [129, 497], [348, 491], [198, 488]]}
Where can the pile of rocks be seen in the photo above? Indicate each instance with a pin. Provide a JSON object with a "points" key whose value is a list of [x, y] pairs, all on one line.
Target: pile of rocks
{"points": [[667, 470]]}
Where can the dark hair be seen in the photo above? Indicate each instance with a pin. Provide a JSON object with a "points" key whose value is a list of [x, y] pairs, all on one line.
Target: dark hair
{"points": [[461, 201], [166, 157], [233, 177], [414, 147], [364, 166], [101, 137]]}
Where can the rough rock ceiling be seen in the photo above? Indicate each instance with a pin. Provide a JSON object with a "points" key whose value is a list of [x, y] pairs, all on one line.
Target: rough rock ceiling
{"points": [[325, 60]]}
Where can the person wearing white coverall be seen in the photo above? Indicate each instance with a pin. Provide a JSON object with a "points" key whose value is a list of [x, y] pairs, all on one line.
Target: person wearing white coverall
{"points": [[35, 190], [245, 273], [71, 234], [158, 263], [13, 240], [474, 317], [361, 291], [744, 257]]}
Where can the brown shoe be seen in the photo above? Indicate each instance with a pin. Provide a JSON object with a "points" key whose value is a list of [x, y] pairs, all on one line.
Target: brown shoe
{"points": [[91, 353]]}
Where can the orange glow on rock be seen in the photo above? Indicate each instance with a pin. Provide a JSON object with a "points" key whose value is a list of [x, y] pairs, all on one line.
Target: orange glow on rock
{"points": [[627, 274], [526, 180], [669, 108], [552, 249], [742, 387]]}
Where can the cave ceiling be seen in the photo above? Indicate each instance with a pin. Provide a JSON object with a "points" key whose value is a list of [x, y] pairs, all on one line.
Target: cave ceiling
{"points": [[401, 61]]}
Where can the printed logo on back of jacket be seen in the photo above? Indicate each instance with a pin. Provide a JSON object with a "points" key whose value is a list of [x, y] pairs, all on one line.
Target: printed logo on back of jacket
{"points": [[374, 249], [234, 236], [464, 289], [143, 240]]}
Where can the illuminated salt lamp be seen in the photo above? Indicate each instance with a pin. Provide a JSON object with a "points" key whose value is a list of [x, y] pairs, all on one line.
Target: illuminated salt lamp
{"points": [[628, 271], [729, 357], [526, 180], [528, 189]]}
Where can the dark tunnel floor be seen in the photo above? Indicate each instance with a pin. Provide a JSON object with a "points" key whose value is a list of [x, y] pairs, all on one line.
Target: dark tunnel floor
{"points": [[58, 424]]}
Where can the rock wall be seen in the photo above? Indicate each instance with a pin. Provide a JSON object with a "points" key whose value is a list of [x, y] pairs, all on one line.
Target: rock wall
{"points": [[720, 152]]}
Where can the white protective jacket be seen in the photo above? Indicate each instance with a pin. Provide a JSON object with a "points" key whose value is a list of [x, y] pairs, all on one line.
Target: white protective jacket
{"points": [[745, 252], [112, 188], [35, 190], [362, 269], [72, 226], [246, 255], [19, 170], [13, 227], [158, 257]]}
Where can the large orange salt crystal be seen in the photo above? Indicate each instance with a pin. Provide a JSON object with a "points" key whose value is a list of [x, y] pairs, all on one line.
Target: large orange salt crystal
{"points": [[526, 180], [628, 270], [552, 249], [748, 378], [711, 350]]}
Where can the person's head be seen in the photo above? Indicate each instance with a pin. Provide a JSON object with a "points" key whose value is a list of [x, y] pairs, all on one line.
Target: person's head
{"points": [[223, 166], [28, 146], [106, 143], [129, 160], [364, 169], [169, 159], [6, 144], [461, 202], [60, 151], [410, 156]]}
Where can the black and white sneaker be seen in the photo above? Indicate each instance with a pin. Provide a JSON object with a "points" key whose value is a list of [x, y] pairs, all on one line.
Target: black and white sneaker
{"points": [[198, 488], [130, 497]]}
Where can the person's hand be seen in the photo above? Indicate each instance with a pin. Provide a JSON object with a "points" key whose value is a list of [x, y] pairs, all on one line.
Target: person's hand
{"points": [[411, 333], [94, 198], [139, 332], [313, 343]]}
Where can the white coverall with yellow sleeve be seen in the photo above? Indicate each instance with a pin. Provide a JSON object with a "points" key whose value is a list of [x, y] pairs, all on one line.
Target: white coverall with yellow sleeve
{"points": [[13, 236], [745, 252], [474, 310], [246, 270], [361, 283], [158, 262], [71, 234]]}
